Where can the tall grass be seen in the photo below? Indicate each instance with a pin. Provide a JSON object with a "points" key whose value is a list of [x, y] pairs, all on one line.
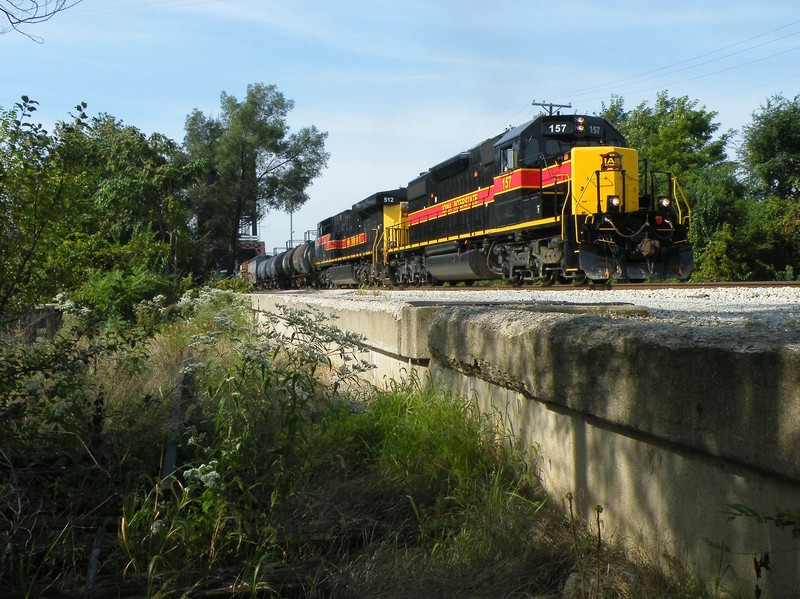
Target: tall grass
{"points": [[445, 503], [196, 453]]}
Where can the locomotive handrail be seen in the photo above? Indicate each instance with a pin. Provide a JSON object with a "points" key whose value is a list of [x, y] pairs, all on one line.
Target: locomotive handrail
{"points": [[574, 219], [375, 245], [395, 234], [679, 195], [564, 205]]}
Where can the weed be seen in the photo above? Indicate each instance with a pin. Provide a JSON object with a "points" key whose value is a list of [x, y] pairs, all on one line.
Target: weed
{"points": [[281, 483]]}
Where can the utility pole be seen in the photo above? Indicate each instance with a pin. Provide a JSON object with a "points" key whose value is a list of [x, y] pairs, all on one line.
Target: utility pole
{"points": [[548, 106]]}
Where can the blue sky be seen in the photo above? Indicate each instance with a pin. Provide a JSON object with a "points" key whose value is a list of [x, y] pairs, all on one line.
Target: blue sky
{"points": [[399, 85]]}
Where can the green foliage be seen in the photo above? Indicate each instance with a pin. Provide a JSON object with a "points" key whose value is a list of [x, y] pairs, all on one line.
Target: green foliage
{"points": [[95, 210], [718, 199], [59, 467], [38, 180], [741, 229], [450, 462], [202, 308], [85, 419], [770, 149], [674, 134], [116, 293], [237, 284], [245, 440], [773, 237], [253, 164], [433, 437], [281, 483], [135, 209], [782, 518], [456, 494], [723, 258]]}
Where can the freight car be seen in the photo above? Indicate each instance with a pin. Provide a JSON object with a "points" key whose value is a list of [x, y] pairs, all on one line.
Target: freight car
{"points": [[560, 198]]}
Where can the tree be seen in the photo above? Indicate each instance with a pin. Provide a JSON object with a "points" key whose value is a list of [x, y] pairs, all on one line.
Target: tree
{"points": [[770, 163], [674, 135], [27, 12], [96, 210], [770, 151], [718, 198], [130, 239], [677, 136], [772, 235], [136, 184], [723, 258], [254, 164], [38, 181]]}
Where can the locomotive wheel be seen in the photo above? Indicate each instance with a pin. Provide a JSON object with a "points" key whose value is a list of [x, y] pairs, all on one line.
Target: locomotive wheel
{"points": [[579, 281]]}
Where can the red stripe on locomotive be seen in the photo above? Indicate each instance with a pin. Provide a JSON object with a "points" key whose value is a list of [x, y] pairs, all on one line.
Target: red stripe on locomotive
{"points": [[343, 244], [522, 178]]}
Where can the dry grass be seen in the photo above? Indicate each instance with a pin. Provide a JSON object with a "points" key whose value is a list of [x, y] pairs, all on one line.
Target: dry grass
{"points": [[402, 493]]}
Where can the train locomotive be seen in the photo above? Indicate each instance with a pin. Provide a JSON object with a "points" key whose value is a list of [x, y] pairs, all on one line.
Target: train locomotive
{"points": [[560, 198]]}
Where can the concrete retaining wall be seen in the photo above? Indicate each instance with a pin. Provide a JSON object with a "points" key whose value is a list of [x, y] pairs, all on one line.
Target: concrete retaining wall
{"points": [[663, 425]]}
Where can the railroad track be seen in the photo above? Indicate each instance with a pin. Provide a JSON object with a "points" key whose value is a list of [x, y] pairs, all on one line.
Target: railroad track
{"points": [[590, 286]]}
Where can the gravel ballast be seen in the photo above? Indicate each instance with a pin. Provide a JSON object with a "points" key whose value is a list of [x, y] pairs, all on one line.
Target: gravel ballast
{"points": [[770, 306]]}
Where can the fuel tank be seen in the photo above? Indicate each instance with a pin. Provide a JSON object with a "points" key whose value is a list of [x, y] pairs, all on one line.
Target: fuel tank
{"points": [[343, 275], [467, 265]]}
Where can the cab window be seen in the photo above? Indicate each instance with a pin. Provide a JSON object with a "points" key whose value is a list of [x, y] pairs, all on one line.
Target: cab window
{"points": [[531, 152], [509, 159]]}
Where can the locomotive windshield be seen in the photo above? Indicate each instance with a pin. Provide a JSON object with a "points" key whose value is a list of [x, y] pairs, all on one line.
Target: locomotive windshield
{"points": [[555, 147]]}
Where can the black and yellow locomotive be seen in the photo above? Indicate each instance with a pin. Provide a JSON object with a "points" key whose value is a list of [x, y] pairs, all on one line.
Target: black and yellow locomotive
{"points": [[558, 198]]}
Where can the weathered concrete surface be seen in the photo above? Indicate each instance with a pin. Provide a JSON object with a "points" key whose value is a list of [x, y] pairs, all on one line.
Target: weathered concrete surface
{"points": [[665, 425], [725, 391], [397, 340], [665, 503]]}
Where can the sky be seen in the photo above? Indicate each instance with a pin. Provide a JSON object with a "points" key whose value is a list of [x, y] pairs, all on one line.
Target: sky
{"points": [[398, 85]]}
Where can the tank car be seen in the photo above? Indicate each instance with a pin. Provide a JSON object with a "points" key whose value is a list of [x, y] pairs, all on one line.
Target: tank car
{"points": [[293, 268]]}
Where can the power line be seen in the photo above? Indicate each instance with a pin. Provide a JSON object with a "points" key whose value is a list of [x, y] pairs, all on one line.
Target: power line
{"points": [[660, 71], [612, 84], [704, 75], [751, 88], [608, 86]]}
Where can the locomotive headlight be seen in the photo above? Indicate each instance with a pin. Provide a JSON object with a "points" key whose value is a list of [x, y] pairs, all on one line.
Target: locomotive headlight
{"points": [[663, 202], [613, 204], [580, 123]]}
